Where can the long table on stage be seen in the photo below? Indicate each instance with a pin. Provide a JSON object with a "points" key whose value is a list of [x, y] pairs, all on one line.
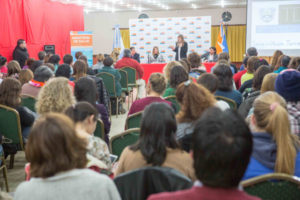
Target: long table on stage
{"points": [[158, 67]]}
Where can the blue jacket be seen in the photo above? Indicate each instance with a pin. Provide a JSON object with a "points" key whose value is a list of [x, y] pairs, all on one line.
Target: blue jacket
{"points": [[263, 157], [117, 76]]}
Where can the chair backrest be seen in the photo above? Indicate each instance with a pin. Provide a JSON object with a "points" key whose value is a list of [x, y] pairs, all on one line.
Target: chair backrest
{"points": [[29, 102], [119, 142], [230, 102], [174, 102], [109, 82], [99, 132], [131, 72], [141, 183], [124, 79], [273, 186], [10, 125], [134, 120]]}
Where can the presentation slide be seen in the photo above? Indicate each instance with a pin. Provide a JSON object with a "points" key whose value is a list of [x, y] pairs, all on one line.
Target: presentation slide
{"points": [[273, 25]]}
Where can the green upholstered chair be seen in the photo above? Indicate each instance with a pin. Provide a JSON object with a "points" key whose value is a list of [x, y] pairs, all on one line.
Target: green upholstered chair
{"points": [[29, 102], [275, 186], [230, 102], [125, 87], [10, 127], [131, 73], [119, 142], [174, 102], [100, 131], [134, 120]]}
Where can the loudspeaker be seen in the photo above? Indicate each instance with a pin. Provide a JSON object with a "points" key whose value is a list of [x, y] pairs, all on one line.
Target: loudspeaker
{"points": [[49, 49]]}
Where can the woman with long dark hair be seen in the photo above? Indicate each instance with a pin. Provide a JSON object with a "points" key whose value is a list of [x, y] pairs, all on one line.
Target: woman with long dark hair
{"points": [[20, 53], [157, 145]]}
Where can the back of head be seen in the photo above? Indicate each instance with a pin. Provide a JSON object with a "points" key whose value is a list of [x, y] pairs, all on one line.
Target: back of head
{"points": [[36, 64], [252, 51], [63, 70], [55, 96], [13, 67], [245, 60], [177, 76], [193, 99], [108, 61], [154, 140], [54, 147], [288, 85], [126, 53], [285, 61], [10, 91], [185, 65], [41, 55], [42, 74], [68, 59], [278, 64], [271, 115], [54, 59], [84, 59], [78, 54], [259, 63], [86, 90], [29, 62], [194, 60], [3, 60], [294, 63], [251, 64], [25, 76], [81, 111], [157, 82], [259, 76], [209, 81], [168, 67], [223, 56], [80, 69], [226, 136], [276, 55], [50, 66], [268, 83], [224, 75]]}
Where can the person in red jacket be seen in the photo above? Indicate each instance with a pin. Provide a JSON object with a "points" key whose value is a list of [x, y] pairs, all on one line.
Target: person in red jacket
{"points": [[238, 76], [127, 61], [221, 149]]}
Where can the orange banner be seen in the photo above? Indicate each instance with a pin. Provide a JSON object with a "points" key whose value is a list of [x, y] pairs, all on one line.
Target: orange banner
{"points": [[81, 40]]}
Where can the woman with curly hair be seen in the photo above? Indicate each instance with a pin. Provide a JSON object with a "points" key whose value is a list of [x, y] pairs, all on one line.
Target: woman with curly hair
{"points": [[55, 96]]}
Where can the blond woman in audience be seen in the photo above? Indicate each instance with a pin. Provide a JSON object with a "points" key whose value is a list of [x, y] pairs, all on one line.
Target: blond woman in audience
{"points": [[55, 96], [167, 69], [275, 149], [294, 63], [268, 83], [157, 145]]}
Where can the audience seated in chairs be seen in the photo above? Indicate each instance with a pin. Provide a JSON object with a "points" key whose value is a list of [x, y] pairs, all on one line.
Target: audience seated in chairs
{"points": [[178, 75], [250, 69], [85, 90], [55, 96], [224, 74], [33, 87], [194, 99], [157, 145], [221, 149], [85, 118], [275, 149], [127, 61], [210, 82], [57, 159], [195, 62], [155, 88], [10, 95]]}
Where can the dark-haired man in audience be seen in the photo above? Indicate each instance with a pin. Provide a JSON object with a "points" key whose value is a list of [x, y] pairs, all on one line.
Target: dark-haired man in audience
{"points": [[42, 55], [68, 59], [222, 146], [134, 54]]}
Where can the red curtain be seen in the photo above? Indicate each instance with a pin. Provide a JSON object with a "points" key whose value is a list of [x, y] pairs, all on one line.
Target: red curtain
{"points": [[38, 22]]}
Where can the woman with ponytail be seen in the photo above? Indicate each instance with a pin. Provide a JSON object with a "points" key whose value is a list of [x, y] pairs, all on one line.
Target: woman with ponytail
{"points": [[275, 149], [193, 100]]}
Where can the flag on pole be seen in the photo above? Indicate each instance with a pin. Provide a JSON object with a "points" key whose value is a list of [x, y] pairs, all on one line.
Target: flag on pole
{"points": [[221, 45], [118, 41]]}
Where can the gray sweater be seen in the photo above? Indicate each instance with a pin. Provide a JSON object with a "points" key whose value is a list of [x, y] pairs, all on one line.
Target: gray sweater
{"points": [[77, 184]]}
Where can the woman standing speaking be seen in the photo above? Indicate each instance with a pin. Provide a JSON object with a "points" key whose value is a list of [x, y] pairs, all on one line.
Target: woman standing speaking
{"points": [[181, 48]]}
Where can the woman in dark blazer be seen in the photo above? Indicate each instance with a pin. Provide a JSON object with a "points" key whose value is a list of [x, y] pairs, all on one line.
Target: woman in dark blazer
{"points": [[181, 48]]}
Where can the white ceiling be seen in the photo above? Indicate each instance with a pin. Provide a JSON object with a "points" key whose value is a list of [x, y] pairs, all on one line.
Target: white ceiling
{"points": [[154, 5]]}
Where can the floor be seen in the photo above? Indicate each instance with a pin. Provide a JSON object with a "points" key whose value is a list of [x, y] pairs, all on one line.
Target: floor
{"points": [[17, 174]]}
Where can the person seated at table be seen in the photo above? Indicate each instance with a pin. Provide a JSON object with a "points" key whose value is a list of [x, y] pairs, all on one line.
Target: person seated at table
{"points": [[221, 149], [127, 61], [156, 145], [134, 54], [195, 61], [155, 88], [177, 76], [155, 57], [210, 56]]}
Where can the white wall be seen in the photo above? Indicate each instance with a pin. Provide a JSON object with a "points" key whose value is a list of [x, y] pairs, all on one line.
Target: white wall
{"points": [[102, 24]]}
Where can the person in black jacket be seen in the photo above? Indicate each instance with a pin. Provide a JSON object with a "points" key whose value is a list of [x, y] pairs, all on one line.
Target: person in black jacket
{"points": [[20, 53], [135, 55], [10, 95], [210, 56], [181, 48]]}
